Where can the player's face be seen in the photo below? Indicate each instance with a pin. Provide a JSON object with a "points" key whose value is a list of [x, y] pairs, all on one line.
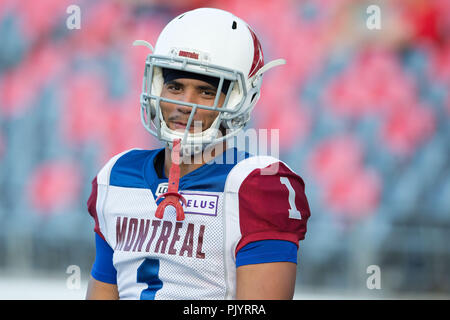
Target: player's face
{"points": [[192, 91]]}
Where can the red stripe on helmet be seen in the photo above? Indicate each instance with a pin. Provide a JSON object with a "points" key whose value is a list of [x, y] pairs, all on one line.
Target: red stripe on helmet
{"points": [[258, 58]]}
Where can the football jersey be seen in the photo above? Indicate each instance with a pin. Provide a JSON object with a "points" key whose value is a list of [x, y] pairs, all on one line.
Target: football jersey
{"points": [[233, 203]]}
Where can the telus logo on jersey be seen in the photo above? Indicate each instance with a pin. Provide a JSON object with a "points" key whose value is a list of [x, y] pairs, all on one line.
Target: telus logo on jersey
{"points": [[159, 236], [196, 203]]}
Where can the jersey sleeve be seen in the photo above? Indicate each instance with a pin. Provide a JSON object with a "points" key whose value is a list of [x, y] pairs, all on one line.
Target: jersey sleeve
{"points": [[92, 207], [272, 205], [98, 193], [103, 268], [266, 251]]}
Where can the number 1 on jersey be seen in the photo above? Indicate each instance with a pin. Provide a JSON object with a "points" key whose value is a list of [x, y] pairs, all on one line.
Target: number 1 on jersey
{"points": [[148, 273], [294, 213]]}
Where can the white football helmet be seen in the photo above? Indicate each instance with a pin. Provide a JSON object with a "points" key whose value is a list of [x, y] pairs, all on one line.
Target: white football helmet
{"points": [[210, 42]]}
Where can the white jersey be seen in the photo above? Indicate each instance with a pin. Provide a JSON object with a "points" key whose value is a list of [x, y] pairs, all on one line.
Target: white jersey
{"points": [[230, 202]]}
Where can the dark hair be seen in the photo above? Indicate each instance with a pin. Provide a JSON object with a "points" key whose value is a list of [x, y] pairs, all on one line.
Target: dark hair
{"points": [[173, 74]]}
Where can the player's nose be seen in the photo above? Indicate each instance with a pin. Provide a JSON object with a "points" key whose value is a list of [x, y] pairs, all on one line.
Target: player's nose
{"points": [[188, 96]]}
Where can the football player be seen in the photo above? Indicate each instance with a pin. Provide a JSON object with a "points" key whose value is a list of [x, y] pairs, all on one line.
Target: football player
{"points": [[198, 219]]}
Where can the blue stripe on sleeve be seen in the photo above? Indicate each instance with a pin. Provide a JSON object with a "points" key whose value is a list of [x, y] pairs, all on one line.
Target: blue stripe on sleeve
{"points": [[267, 251], [103, 269]]}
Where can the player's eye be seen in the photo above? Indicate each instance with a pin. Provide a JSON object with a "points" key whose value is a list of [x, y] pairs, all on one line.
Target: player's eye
{"points": [[208, 93], [173, 87]]}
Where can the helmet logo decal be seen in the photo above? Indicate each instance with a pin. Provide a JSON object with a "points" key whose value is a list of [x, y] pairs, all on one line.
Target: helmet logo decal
{"points": [[188, 54], [258, 58]]}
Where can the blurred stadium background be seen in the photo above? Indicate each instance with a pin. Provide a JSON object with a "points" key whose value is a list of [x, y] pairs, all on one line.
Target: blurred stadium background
{"points": [[363, 118]]}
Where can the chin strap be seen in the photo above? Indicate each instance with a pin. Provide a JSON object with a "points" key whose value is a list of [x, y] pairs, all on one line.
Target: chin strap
{"points": [[172, 197]]}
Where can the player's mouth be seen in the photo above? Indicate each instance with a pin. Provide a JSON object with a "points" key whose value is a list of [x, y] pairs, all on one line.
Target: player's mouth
{"points": [[181, 126]]}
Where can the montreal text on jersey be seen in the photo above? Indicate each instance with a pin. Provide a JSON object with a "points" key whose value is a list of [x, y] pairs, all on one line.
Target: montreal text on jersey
{"points": [[131, 235], [232, 309]]}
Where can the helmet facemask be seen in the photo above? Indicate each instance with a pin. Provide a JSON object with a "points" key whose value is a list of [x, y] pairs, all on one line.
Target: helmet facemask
{"points": [[232, 115]]}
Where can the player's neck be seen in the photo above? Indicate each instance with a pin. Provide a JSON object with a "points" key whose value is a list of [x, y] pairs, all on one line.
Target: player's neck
{"points": [[190, 164]]}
